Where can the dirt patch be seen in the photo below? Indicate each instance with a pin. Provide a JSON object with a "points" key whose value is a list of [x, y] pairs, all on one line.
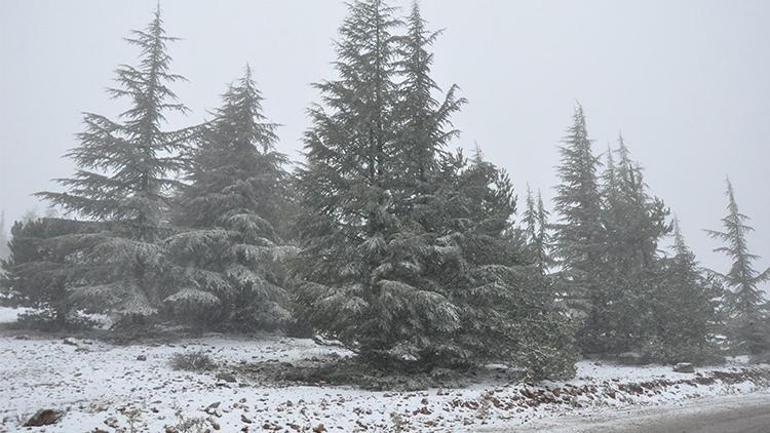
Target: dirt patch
{"points": [[350, 371]]}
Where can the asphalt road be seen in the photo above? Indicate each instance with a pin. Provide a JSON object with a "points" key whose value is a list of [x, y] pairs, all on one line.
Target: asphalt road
{"points": [[734, 414], [748, 419]]}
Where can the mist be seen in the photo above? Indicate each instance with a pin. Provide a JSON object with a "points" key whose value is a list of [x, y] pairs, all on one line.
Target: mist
{"points": [[687, 88]]}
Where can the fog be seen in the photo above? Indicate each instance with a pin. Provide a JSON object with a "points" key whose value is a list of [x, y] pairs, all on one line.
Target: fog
{"points": [[686, 82]]}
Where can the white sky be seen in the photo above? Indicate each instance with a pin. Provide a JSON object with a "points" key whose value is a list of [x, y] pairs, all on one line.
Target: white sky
{"points": [[687, 82]]}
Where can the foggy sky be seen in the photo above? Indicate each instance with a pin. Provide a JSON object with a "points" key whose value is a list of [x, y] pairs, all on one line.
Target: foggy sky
{"points": [[687, 82]]}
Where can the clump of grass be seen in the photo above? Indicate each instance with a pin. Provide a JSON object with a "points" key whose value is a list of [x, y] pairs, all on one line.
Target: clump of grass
{"points": [[189, 425], [197, 361]]}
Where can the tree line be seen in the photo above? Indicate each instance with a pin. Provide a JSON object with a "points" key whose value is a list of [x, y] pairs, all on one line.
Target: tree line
{"points": [[384, 239]]}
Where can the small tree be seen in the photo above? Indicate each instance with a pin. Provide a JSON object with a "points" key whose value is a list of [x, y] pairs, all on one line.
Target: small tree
{"points": [[536, 224], [36, 272], [747, 313], [509, 309], [684, 308]]}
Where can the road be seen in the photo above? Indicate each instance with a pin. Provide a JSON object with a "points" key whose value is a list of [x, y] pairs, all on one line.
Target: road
{"points": [[738, 414]]}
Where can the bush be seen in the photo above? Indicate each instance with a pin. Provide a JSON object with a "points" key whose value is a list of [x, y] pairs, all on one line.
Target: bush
{"points": [[48, 320], [761, 358], [696, 352], [189, 425], [298, 328], [197, 361]]}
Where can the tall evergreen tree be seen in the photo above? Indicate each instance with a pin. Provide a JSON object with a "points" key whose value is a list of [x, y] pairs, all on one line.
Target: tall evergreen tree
{"points": [[229, 255], [634, 221], [746, 304], [123, 179], [579, 235], [535, 219], [361, 279]]}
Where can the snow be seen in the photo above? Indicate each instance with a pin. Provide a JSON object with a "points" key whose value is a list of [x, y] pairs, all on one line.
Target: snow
{"points": [[10, 315], [95, 382]]}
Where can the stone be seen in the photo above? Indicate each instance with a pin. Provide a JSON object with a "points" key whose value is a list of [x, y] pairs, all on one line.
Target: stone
{"points": [[44, 417], [227, 377], [141, 358], [684, 367]]}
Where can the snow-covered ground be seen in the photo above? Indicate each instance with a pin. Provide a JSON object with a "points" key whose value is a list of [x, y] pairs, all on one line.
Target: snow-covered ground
{"points": [[106, 387]]}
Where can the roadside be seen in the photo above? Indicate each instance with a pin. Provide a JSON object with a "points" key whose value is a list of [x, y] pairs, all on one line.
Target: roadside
{"points": [[734, 414]]}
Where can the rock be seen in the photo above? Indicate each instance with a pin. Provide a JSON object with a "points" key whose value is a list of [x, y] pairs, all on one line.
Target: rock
{"points": [[246, 419], [227, 377], [71, 341], [141, 358], [111, 422], [684, 367], [213, 410], [319, 428], [214, 424], [44, 417]]}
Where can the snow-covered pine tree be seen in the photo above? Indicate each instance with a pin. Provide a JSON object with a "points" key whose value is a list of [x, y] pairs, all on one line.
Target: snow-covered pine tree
{"points": [[748, 317], [579, 235], [123, 179], [229, 254], [684, 308], [508, 307], [634, 222], [361, 277]]}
